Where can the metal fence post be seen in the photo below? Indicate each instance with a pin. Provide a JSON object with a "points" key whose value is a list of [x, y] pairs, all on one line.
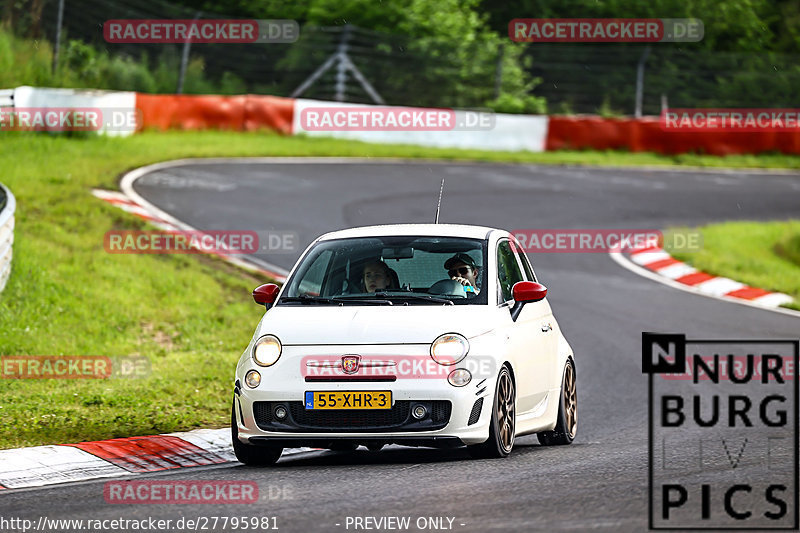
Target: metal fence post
{"points": [[185, 58], [341, 66], [498, 72], [57, 44]]}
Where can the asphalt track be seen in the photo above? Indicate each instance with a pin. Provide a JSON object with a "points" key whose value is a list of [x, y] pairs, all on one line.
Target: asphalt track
{"points": [[598, 483]]}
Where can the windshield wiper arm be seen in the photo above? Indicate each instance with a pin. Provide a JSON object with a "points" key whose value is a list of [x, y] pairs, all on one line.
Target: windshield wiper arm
{"points": [[415, 296], [306, 298], [361, 300]]}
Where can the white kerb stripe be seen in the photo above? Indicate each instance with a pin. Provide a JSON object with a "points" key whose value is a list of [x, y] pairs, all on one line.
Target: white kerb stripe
{"points": [[775, 299], [45, 465], [216, 441], [646, 258], [110, 195], [719, 286], [676, 271]]}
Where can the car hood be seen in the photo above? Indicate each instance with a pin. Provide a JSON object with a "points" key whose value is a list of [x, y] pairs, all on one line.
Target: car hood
{"points": [[417, 324]]}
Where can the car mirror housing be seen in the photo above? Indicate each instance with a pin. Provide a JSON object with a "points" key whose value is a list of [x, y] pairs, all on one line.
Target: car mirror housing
{"points": [[524, 292], [528, 291], [266, 294]]}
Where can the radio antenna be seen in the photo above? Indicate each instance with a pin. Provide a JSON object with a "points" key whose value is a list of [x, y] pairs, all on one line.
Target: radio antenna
{"points": [[439, 205]]}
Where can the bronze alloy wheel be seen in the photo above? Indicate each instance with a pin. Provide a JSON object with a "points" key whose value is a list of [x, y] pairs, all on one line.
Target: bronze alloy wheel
{"points": [[503, 421], [570, 399], [505, 411], [567, 416]]}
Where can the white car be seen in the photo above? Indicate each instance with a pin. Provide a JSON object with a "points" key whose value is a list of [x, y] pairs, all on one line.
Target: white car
{"points": [[419, 334]]}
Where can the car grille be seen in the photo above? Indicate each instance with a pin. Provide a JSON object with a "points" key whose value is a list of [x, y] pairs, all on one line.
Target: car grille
{"points": [[398, 418], [476, 411], [352, 418]]}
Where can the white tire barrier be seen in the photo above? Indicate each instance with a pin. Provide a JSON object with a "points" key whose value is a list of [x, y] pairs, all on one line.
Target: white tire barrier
{"points": [[117, 108], [505, 133], [7, 206]]}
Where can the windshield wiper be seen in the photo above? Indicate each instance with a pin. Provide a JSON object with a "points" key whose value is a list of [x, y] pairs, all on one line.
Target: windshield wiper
{"points": [[362, 300], [305, 298], [414, 296]]}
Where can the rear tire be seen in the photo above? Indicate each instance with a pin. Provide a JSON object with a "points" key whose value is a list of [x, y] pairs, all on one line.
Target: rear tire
{"points": [[249, 454], [503, 422], [567, 421]]}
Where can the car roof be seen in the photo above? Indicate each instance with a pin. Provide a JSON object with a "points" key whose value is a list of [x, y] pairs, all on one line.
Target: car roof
{"points": [[425, 230]]}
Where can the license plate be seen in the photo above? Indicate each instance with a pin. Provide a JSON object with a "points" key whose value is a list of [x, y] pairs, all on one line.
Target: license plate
{"points": [[349, 400]]}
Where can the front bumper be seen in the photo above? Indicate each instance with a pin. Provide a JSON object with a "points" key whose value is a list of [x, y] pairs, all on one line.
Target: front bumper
{"points": [[298, 419], [456, 415]]}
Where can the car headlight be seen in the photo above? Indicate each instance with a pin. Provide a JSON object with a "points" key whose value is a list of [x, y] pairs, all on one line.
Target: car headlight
{"points": [[267, 350], [252, 378], [459, 377], [449, 349]]}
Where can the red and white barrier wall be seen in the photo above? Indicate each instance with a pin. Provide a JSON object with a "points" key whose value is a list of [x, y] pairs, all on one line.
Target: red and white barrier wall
{"points": [[241, 113], [535, 133]]}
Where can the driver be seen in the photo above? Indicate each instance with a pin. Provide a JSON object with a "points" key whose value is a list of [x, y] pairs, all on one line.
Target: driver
{"points": [[462, 268]]}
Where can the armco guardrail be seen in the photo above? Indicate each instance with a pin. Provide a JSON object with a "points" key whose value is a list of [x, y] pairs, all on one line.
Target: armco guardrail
{"points": [[7, 206]]}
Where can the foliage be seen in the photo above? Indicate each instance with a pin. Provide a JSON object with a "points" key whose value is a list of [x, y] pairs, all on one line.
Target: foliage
{"points": [[761, 254], [28, 62]]}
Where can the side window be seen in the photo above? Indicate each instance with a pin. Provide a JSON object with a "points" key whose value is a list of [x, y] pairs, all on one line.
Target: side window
{"points": [[311, 283], [523, 259], [508, 272]]}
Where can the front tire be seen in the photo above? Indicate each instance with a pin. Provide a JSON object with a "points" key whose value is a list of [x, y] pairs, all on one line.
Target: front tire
{"points": [[567, 421], [503, 422], [249, 454]]}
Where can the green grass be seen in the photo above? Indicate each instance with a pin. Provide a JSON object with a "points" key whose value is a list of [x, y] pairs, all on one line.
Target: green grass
{"points": [[761, 254], [190, 316]]}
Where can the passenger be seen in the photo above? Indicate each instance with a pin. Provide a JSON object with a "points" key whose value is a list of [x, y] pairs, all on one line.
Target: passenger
{"points": [[462, 268], [377, 277]]}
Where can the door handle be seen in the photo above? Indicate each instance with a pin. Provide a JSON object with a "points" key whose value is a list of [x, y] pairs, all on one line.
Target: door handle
{"points": [[546, 327]]}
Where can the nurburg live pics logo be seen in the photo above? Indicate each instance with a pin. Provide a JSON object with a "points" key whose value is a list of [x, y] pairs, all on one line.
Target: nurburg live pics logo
{"points": [[722, 433]]}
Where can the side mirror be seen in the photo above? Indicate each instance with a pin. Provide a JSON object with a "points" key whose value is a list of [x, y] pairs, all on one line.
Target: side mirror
{"points": [[266, 294], [524, 292], [528, 291]]}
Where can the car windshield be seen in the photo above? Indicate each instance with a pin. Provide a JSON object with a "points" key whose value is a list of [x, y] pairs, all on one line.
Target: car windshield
{"points": [[405, 270]]}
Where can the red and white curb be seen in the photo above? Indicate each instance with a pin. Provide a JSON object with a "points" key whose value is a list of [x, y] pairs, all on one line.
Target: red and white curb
{"points": [[655, 263], [168, 223], [47, 465]]}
